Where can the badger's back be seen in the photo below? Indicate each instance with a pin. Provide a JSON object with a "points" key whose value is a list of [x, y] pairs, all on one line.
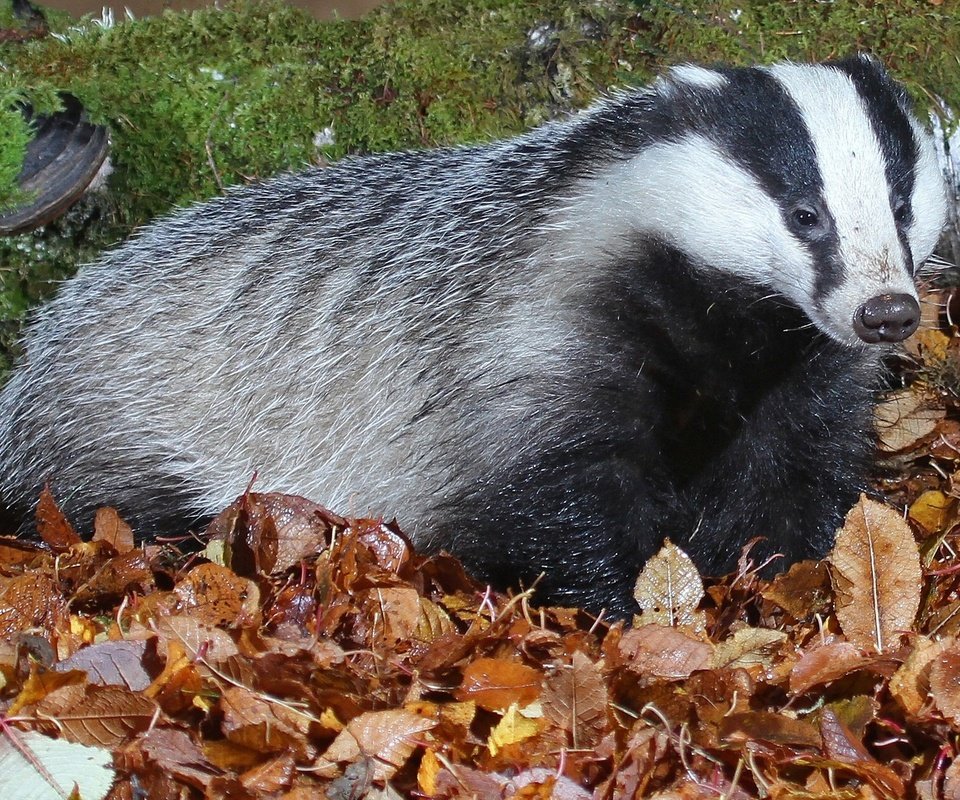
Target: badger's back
{"points": [[320, 330]]}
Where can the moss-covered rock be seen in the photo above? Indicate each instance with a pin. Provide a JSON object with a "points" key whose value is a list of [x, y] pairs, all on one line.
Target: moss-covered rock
{"points": [[200, 100]]}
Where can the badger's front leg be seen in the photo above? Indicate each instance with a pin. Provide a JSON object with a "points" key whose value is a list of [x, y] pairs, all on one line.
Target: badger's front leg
{"points": [[792, 470]]}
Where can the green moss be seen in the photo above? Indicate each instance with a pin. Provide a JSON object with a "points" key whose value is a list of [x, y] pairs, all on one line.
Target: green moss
{"points": [[15, 133], [917, 39], [201, 100]]}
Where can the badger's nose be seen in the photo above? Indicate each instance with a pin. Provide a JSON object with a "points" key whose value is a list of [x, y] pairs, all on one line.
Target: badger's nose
{"points": [[887, 318]]}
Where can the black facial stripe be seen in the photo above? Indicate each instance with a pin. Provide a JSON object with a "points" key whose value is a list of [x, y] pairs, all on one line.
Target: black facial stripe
{"points": [[886, 106], [757, 122]]}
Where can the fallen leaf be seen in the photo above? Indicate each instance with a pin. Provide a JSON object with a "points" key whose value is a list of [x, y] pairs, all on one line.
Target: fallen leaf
{"points": [[830, 662], [512, 728], [903, 419], [388, 737], [910, 685], [52, 526], [802, 591], [575, 699], [669, 590], [105, 716], [497, 683], [216, 596], [38, 767], [931, 510], [945, 682], [764, 726], [748, 647], [875, 567], [659, 652], [109, 527]]}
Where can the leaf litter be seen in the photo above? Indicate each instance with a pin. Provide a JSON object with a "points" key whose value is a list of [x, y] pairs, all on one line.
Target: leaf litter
{"points": [[306, 655]]}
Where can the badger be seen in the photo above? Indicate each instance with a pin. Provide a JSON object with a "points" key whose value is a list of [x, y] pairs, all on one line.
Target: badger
{"points": [[663, 317]]}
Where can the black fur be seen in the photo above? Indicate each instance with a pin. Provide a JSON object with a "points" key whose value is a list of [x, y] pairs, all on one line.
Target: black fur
{"points": [[717, 415]]}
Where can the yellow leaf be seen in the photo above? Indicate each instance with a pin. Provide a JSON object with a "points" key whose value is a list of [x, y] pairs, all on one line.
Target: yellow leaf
{"points": [[930, 510], [513, 728], [430, 767]]}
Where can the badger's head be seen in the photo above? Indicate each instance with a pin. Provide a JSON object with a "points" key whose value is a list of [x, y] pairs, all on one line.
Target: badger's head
{"points": [[814, 180]]}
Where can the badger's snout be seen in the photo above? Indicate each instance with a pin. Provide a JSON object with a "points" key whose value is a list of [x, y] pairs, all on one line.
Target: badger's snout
{"points": [[887, 318]]}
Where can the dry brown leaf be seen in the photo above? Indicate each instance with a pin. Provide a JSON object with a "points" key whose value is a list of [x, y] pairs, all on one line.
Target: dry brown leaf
{"points": [[400, 611], [177, 754], [433, 622], [748, 647], [575, 699], [657, 651], [945, 682], [387, 737], [497, 683], [271, 777], [200, 640], [52, 526], [904, 418], [801, 591], [215, 595], [270, 532], [111, 663], [910, 685], [669, 591], [105, 716], [128, 572], [841, 745], [829, 662], [265, 725], [42, 683], [764, 726], [30, 601], [951, 782], [109, 527], [875, 567]]}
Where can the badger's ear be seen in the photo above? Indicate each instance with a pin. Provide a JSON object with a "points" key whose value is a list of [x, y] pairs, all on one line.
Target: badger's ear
{"points": [[689, 76], [871, 59]]}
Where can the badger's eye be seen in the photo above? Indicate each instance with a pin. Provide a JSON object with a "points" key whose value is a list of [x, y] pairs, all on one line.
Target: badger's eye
{"points": [[806, 217], [901, 210]]}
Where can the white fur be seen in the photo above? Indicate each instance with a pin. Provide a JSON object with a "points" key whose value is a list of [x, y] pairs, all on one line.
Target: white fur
{"points": [[694, 75], [693, 196]]}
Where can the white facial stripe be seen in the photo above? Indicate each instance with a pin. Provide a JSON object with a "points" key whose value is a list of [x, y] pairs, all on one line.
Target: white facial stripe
{"points": [[852, 168], [695, 198], [855, 191], [929, 198]]}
